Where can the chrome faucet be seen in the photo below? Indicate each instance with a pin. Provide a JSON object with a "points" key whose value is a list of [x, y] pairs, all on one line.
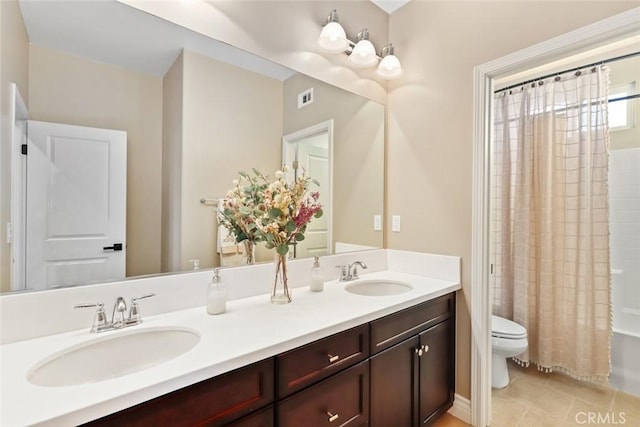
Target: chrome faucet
{"points": [[350, 272], [118, 319]]}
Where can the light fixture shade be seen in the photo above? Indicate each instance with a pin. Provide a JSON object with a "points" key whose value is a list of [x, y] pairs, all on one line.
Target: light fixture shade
{"points": [[363, 54], [389, 68], [333, 37]]}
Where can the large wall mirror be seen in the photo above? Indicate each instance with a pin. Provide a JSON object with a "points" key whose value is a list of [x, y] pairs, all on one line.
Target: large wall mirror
{"points": [[186, 113]]}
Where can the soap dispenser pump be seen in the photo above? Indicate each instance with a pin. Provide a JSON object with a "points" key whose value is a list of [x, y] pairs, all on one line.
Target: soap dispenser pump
{"points": [[317, 276], [216, 294]]}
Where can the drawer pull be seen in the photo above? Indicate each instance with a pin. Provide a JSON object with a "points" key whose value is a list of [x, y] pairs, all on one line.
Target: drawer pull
{"points": [[426, 348], [332, 417], [333, 358]]}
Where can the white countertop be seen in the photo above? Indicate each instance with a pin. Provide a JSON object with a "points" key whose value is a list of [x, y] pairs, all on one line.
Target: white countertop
{"points": [[251, 330]]}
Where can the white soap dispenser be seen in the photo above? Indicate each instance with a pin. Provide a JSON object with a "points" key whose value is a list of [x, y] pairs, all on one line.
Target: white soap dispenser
{"points": [[216, 294], [317, 276]]}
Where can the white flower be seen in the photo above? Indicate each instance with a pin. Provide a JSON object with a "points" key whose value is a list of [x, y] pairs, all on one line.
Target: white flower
{"points": [[236, 182], [279, 174]]}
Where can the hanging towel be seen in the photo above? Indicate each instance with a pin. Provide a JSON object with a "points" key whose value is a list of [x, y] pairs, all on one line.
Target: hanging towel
{"points": [[231, 253]]}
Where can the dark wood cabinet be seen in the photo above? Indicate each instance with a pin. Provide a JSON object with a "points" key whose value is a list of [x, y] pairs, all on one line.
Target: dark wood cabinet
{"points": [[214, 402], [413, 381], [342, 400], [394, 371], [311, 363]]}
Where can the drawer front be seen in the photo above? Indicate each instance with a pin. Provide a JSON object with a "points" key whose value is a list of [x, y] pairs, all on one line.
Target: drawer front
{"points": [[392, 329], [309, 364], [342, 400], [213, 402], [263, 418]]}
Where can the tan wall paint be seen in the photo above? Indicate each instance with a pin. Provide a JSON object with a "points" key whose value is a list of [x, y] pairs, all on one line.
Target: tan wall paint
{"points": [[14, 68], [172, 113], [217, 100], [358, 187], [285, 32], [622, 72], [429, 148], [68, 89]]}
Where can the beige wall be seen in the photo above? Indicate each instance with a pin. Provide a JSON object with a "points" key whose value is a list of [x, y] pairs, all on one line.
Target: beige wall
{"points": [[14, 63], [358, 187], [622, 72], [171, 164], [285, 32], [68, 89], [429, 147], [218, 141]]}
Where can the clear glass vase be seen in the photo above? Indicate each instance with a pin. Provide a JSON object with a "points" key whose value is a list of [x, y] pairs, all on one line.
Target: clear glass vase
{"points": [[281, 294], [250, 252]]}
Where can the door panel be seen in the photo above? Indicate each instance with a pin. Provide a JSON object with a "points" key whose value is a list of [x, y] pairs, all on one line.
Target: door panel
{"points": [[436, 370], [76, 204]]}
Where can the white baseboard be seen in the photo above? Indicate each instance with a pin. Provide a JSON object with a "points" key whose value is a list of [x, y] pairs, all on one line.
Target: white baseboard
{"points": [[461, 408]]}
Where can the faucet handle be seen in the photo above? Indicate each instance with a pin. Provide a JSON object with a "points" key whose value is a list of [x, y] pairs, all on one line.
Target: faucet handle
{"points": [[134, 311], [100, 318], [344, 274]]}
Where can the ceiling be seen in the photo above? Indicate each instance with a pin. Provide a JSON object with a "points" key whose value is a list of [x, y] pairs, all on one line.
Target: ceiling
{"points": [[390, 6], [111, 32]]}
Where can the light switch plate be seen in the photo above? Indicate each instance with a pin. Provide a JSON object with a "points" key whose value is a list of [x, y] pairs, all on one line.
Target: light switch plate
{"points": [[377, 223], [395, 223]]}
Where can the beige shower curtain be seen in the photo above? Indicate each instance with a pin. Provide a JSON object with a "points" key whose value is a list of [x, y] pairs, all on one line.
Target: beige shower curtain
{"points": [[551, 228]]}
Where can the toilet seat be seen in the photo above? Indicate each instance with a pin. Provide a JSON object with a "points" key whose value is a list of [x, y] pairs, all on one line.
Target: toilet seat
{"points": [[505, 328]]}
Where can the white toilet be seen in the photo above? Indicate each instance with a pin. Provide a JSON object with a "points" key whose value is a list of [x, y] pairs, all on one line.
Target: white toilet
{"points": [[508, 339]]}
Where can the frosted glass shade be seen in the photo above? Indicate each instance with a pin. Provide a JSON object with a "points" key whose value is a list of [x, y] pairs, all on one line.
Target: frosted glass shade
{"points": [[364, 54], [389, 68], [333, 38]]}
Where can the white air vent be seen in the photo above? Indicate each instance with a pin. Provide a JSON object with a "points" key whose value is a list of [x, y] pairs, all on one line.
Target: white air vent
{"points": [[305, 98]]}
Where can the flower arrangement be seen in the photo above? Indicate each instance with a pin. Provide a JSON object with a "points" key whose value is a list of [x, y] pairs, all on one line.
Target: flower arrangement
{"points": [[275, 212]]}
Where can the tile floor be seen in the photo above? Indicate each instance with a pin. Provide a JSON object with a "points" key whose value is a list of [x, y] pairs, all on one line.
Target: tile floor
{"points": [[537, 399]]}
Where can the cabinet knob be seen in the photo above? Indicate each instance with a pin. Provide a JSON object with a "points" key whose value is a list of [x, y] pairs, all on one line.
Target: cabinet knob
{"points": [[332, 417], [419, 351], [333, 358], [425, 348]]}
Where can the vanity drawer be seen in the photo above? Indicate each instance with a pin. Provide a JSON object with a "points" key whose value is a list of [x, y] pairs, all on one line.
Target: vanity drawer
{"points": [[263, 418], [396, 327], [342, 400], [309, 364], [213, 402]]}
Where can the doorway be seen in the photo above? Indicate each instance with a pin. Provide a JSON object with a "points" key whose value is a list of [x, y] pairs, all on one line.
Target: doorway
{"points": [[310, 151], [622, 27]]}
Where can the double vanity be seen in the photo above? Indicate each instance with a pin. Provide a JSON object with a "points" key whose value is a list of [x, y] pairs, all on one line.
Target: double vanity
{"points": [[379, 351]]}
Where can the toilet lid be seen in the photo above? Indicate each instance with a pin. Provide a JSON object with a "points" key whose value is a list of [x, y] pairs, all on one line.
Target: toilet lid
{"points": [[505, 328]]}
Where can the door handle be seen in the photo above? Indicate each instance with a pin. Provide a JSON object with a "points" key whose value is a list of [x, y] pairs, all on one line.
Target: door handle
{"points": [[115, 247]]}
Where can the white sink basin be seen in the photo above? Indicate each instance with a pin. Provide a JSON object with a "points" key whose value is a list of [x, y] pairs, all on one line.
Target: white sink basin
{"points": [[112, 356], [378, 287]]}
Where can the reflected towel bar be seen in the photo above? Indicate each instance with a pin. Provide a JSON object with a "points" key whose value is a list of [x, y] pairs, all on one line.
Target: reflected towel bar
{"points": [[204, 201]]}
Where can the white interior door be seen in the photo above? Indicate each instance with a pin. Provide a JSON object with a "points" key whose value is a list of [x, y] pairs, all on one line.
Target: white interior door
{"points": [[76, 205], [310, 149]]}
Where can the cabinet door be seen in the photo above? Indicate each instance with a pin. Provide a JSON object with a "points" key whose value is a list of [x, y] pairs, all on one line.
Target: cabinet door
{"points": [[436, 370], [341, 400], [262, 418], [394, 385]]}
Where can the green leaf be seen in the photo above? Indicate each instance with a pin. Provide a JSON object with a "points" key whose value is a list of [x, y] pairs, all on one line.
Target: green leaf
{"points": [[270, 239], [242, 174], [275, 213], [251, 226], [282, 249], [318, 213], [245, 210], [299, 237], [269, 245], [290, 226], [316, 182], [257, 172]]}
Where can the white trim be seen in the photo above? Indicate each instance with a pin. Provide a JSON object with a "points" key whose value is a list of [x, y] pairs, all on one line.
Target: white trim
{"points": [[326, 126], [603, 32], [18, 115], [461, 408]]}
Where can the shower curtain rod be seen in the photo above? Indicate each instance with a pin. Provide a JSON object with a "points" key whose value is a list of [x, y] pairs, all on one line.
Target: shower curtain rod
{"points": [[604, 61]]}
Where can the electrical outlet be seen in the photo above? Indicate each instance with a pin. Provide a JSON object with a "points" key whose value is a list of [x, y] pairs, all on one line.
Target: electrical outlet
{"points": [[377, 223], [395, 223]]}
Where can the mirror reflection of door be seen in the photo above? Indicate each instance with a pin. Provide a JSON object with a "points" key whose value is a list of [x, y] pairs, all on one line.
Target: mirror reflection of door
{"points": [[309, 150], [76, 205]]}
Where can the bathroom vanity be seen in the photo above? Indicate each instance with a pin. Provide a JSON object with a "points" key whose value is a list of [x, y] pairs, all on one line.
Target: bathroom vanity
{"points": [[329, 358], [396, 370]]}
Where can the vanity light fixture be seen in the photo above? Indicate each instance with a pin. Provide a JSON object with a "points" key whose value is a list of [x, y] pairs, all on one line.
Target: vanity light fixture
{"points": [[333, 37], [390, 67], [362, 53]]}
